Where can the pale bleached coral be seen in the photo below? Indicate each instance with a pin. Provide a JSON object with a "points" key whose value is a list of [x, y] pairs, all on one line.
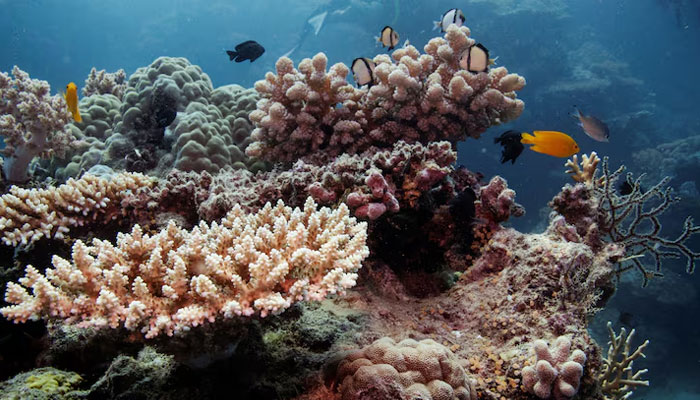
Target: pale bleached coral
{"points": [[177, 279], [585, 173], [103, 82], [415, 97], [617, 377], [32, 123], [27, 215]]}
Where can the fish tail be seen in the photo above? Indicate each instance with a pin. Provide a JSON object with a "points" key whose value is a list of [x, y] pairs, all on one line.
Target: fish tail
{"points": [[527, 138], [436, 25], [231, 54]]}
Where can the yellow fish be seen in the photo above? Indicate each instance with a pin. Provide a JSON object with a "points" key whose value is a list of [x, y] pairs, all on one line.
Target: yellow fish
{"points": [[557, 144], [71, 97]]}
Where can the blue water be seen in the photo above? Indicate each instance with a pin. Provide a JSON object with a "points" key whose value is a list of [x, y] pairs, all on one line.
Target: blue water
{"points": [[624, 57]]}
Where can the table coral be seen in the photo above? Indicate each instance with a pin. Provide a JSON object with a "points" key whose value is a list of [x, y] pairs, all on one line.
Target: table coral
{"points": [[416, 98], [32, 123], [176, 279]]}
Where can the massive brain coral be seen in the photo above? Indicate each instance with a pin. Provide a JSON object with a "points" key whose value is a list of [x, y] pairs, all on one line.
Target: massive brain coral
{"points": [[386, 370], [168, 84], [416, 97], [214, 135]]}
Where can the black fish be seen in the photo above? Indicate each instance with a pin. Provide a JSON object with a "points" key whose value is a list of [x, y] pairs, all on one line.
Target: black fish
{"points": [[625, 187], [248, 50], [512, 147]]}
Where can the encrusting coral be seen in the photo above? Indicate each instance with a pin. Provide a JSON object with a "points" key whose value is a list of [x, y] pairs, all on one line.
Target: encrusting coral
{"points": [[32, 123], [420, 98], [176, 279]]}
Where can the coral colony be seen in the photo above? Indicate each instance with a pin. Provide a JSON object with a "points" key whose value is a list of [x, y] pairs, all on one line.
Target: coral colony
{"points": [[235, 204]]}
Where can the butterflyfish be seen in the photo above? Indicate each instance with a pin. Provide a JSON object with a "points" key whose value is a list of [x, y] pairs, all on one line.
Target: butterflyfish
{"points": [[553, 143], [388, 37], [71, 97], [452, 16], [594, 128], [363, 71], [475, 58]]}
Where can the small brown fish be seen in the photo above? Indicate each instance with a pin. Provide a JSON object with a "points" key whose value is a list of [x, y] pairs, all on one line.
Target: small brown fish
{"points": [[594, 128]]}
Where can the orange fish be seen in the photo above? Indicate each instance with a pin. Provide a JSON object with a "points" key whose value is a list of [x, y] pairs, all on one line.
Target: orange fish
{"points": [[71, 97], [553, 143]]}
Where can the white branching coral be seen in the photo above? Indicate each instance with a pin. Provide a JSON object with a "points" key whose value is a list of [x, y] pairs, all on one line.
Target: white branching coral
{"points": [[27, 215], [177, 279]]}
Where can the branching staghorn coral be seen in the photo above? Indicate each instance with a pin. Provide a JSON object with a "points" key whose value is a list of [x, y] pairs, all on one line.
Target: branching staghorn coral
{"points": [[631, 220], [177, 279], [617, 378]]}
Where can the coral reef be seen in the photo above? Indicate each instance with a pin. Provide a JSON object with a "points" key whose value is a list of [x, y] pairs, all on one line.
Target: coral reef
{"points": [[176, 279], [420, 98], [32, 123], [387, 370], [406, 171]]}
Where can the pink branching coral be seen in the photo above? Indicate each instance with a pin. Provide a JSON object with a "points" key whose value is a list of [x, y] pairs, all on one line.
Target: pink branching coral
{"points": [[32, 123], [27, 215], [177, 279], [557, 373], [630, 220], [103, 82], [416, 98]]}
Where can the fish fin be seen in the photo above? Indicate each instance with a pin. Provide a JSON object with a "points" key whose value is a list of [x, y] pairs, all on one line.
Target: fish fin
{"points": [[527, 138], [390, 48], [289, 53], [231, 54], [76, 116], [436, 25]]}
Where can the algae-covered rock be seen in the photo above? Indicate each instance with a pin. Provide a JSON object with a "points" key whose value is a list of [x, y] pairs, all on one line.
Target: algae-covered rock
{"points": [[42, 384]]}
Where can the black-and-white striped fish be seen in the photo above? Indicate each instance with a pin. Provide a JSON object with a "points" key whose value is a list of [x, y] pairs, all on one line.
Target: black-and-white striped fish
{"points": [[363, 71], [453, 16], [475, 58], [388, 37]]}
